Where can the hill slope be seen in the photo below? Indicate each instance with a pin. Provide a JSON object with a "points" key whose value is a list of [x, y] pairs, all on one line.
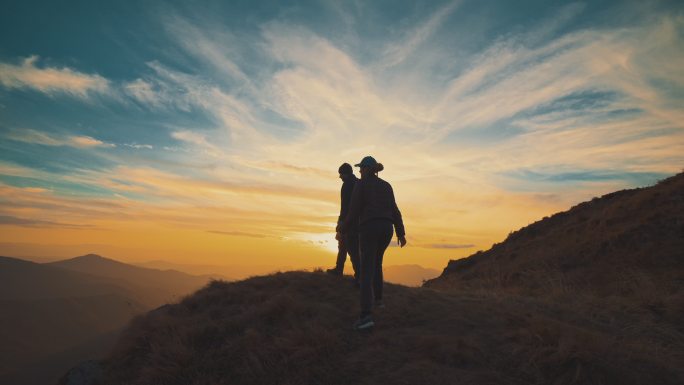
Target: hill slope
{"points": [[222, 272], [628, 243], [21, 280], [52, 315], [295, 328], [151, 286], [594, 295], [45, 310]]}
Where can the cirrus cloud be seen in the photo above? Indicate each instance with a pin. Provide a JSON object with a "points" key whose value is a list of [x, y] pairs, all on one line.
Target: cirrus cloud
{"points": [[47, 139], [51, 80]]}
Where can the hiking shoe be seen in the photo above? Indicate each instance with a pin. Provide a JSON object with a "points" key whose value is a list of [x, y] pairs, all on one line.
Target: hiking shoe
{"points": [[334, 271], [364, 323]]}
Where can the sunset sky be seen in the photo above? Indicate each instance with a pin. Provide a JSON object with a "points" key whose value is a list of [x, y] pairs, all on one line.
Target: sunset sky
{"points": [[212, 132]]}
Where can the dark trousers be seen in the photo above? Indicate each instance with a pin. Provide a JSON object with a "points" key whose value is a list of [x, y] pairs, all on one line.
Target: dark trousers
{"points": [[349, 244], [374, 237]]}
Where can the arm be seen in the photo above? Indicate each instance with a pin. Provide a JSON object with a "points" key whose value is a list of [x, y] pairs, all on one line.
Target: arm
{"points": [[398, 221]]}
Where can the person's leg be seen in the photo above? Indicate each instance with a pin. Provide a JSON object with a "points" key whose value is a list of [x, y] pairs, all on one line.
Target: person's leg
{"points": [[341, 257], [385, 233], [368, 247], [352, 242]]}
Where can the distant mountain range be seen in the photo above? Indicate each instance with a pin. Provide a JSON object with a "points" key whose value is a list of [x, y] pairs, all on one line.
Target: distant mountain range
{"points": [[409, 275], [151, 286], [54, 314], [195, 269]]}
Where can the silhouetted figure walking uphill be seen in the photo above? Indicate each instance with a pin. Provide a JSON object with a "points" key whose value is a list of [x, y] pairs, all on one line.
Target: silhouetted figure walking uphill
{"points": [[374, 207], [348, 242]]}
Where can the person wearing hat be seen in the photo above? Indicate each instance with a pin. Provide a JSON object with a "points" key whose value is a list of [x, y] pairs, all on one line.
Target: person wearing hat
{"points": [[347, 242], [375, 210]]}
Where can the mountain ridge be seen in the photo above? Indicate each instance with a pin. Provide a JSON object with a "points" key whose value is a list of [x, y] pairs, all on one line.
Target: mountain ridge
{"points": [[48, 311], [600, 247], [20, 279], [160, 286]]}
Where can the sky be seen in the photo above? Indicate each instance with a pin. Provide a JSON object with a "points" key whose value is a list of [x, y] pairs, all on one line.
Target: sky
{"points": [[211, 131]]}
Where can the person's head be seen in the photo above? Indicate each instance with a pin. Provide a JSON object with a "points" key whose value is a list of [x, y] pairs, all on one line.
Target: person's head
{"points": [[369, 166], [345, 170]]}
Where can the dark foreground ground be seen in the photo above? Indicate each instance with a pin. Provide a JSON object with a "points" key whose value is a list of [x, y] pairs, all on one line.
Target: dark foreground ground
{"points": [[295, 328]]}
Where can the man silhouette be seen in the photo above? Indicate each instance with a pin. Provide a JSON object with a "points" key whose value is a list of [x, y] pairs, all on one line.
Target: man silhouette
{"points": [[347, 242], [374, 212]]}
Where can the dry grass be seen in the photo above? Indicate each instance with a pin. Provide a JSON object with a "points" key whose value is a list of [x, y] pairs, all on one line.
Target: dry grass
{"points": [[295, 328], [625, 247]]}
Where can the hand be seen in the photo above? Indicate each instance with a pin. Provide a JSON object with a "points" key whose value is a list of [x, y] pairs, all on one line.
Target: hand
{"points": [[401, 241], [338, 236]]}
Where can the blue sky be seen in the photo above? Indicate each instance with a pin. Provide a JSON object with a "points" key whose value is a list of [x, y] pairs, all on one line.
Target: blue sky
{"points": [[116, 112]]}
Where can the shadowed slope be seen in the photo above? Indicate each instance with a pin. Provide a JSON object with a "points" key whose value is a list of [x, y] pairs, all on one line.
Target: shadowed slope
{"points": [[295, 328], [628, 243], [52, 315], [152, 286], [24, 280], [45, 310]]}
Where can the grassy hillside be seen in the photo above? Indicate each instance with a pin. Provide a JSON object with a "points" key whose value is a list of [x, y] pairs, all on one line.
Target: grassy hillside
{"points": [[604, 245], [625, 247], [295, 328]]}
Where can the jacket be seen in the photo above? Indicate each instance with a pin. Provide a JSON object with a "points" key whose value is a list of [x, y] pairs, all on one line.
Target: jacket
{"points": [[373, 198]]}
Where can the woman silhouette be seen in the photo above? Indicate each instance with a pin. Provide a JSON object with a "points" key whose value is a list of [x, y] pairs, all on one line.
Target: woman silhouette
{"points": [[373, 206]]}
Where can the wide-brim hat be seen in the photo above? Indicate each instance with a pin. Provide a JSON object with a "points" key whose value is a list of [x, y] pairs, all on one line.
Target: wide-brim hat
{"points": [[368, 161]]}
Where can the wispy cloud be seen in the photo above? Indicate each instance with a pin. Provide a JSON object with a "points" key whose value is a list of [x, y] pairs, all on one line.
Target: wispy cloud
{"points": [[51, 80], [196, 139], [139, 146], [87, 141], [237, 233], [399, 51], [216, 46], [144, 92], [25, 222], [295, 169], [447, 246], [510, 78], [48, 139], [191, 137]]}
